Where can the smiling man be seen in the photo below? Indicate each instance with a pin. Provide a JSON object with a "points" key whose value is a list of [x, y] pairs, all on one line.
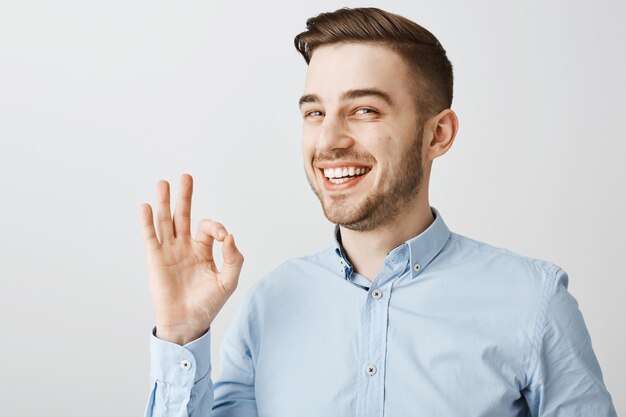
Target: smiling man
{"points": [[398, 316]]}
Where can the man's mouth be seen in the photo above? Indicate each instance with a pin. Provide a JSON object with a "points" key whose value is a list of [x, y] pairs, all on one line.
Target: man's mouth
{"points": [[340, 175]]}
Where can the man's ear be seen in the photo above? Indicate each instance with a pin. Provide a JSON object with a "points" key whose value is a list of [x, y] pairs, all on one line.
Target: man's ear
{"points": [[443, 128]]}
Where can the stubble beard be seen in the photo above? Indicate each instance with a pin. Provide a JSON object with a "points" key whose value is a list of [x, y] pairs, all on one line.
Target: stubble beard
{"points": [[380, 206]]}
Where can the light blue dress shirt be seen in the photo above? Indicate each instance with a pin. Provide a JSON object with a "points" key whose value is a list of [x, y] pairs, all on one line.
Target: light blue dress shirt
{"points": [[450, 327]]}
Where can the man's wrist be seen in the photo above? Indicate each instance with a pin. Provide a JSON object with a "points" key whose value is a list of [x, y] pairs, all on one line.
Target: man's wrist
{"points": [[179, 335]]}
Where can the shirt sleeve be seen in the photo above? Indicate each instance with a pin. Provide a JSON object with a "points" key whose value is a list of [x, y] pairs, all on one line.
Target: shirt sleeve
{"points": [[181, 375], [180, 378], [567, 380]]}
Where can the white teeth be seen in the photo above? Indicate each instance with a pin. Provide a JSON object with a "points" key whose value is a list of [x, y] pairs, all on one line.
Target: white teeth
{"points": [[338, 180], [343, 173]]}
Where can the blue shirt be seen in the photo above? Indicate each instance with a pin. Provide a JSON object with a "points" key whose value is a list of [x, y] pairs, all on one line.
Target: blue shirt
{"points": [[450, 327]]}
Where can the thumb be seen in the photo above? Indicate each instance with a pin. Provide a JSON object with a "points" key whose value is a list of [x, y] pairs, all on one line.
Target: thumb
{"points": [[233, 261]]}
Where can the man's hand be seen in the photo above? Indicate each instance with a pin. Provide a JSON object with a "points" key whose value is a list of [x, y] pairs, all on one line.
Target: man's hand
{"points": [[187, 289]]}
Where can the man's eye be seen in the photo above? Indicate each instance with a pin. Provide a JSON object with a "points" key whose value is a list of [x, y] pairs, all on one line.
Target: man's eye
{"points": [[365, 110], [313, 113]]}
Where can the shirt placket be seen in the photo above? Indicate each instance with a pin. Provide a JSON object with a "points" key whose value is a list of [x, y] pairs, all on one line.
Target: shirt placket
{"points": [[373, 344]]}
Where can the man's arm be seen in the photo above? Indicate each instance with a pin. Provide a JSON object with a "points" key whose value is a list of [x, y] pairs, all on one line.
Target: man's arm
{"points": [[181, 375], [188, 291], [567, 380], [234, 387]]}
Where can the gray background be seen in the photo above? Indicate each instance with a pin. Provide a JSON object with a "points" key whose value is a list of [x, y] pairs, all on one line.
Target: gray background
{"points": [[100, 100]]}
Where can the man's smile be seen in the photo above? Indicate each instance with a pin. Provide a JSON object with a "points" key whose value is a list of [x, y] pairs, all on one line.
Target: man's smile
{"points": [[342, 176]]}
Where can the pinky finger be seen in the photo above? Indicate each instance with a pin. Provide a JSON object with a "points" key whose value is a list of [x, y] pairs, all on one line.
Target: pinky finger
{"points": [[150, 240]]}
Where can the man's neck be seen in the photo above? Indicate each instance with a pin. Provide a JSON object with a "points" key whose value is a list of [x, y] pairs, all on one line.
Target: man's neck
{"points": [[367, 250]]}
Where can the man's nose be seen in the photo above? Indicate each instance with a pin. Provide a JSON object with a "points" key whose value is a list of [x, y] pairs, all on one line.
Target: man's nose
{"points": [[333, 134]]}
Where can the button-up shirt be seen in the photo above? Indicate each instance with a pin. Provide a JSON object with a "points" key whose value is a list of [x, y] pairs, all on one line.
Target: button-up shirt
{"points": [[449, 327]]}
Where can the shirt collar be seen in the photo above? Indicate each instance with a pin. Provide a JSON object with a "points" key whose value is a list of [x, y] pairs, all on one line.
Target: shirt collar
{"points": [[422, 248]]}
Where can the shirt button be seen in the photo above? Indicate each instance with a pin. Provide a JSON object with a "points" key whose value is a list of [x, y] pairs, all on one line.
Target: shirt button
{"points": [[416, 267], [186, 365], [370, 369], [376, 294]]}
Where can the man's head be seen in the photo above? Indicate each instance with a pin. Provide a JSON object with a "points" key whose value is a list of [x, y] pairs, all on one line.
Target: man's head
{"points": [[377, 86]]}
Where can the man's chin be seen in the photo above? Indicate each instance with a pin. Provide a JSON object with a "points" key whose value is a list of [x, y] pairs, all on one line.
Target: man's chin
{"points": [[341, 218]]}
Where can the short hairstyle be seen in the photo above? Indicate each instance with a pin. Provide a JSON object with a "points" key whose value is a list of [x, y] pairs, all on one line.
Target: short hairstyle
{"points": [[420, 49]]}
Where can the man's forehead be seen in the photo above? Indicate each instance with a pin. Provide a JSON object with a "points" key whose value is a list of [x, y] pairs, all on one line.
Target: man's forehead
{"points": [[336, 69], [352, 61]]}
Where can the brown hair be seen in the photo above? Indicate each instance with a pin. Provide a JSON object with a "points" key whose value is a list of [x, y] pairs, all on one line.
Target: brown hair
{"points": [[419, 48]]}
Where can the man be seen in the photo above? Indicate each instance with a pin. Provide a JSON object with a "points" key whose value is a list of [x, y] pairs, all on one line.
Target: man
{"points": [[398, 316]]}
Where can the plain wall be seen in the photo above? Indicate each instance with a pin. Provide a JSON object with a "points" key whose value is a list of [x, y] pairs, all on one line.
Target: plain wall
{"points": [[100, 100]]}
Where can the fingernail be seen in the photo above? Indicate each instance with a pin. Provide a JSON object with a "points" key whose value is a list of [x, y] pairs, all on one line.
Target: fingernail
{"points": [[221, 234]]}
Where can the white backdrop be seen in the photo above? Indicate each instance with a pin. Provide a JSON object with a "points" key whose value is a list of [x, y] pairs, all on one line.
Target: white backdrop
{"points": [[100, 100]]}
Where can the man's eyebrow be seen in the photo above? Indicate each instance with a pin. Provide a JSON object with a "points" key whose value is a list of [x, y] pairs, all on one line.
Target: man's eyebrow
{"points": [[309, 98], [364, 92], [350, 95]]}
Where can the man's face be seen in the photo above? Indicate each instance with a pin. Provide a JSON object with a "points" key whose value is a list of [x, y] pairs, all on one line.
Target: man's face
{"points": [[361, 138]]}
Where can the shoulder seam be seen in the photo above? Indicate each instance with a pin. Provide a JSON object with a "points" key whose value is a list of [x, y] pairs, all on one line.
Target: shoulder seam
{"points": [[540, 323]]}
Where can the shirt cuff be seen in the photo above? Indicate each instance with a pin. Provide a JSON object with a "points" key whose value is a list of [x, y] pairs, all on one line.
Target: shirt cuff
{"points": [[180, 365]]}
